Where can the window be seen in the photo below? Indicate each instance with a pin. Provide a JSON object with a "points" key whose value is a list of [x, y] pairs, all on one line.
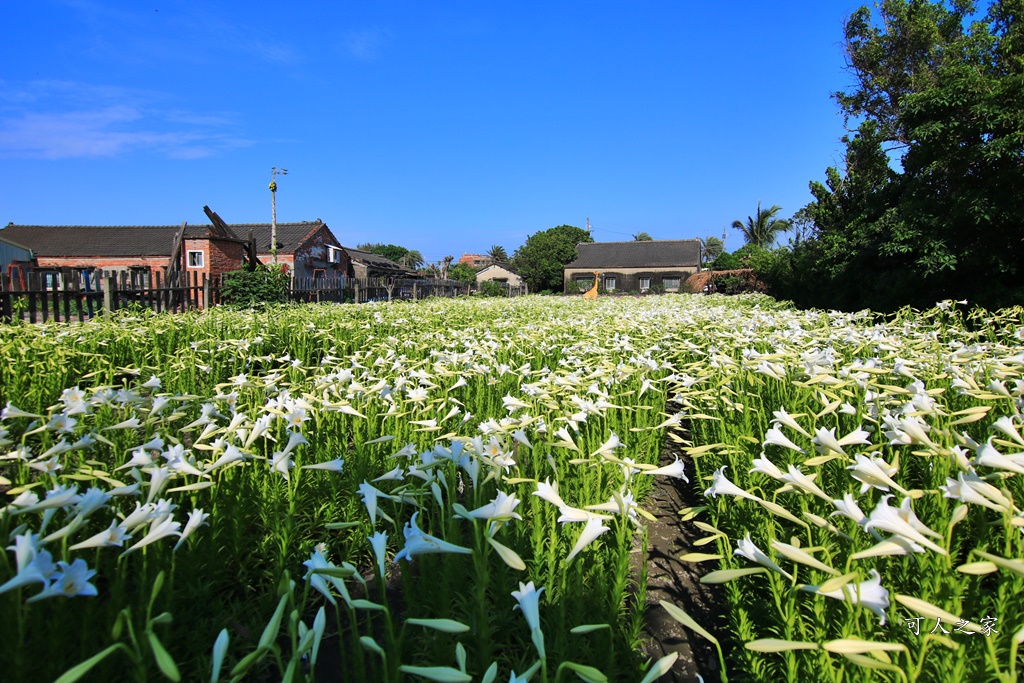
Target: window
{"points": [[333, 254], [671, 284], [585, 283], [609, 284], [140, 276], [195, 259], [645, 284]]}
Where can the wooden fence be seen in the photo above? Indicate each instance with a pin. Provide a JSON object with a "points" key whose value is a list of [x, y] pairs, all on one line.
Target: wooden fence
{"points": [[79, 294]]}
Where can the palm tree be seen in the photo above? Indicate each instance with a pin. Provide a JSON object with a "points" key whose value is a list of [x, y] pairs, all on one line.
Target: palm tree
{"points": [[412, 259], [712, 247], [444, 264], [763, 228], [497, 254], [643, 237]]}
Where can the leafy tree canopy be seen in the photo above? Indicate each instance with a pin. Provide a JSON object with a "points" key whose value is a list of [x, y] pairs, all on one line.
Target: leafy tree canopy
{"points": [[390, 251], [928, 203], [643, 237], [541, 260], [463, 272]]}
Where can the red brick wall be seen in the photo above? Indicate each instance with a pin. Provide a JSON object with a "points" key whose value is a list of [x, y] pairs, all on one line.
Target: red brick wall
{"points": [[104, 263], [219, 256]]}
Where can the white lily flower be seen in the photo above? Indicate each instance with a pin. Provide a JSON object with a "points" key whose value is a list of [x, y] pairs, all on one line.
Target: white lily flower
{"points": [[379, 543], [825, 440], [70, 580], [988, 456], [528, 599], [549, 492], [674, 470], [594, 528], [157, 530], [766, 466], [1005, 426], [397, 474], [114, 535], [801, 481], [775, 437], [888, 519], [747, 549], [419, 543], [848, 507], [500, 509], [869, 594], [196, 519], [721, 486], [609, 446], [873, 472], [782, 417], [970, 488]]}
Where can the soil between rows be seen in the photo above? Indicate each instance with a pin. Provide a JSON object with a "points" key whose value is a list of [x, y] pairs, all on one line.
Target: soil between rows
{"points": [[677, 582]]}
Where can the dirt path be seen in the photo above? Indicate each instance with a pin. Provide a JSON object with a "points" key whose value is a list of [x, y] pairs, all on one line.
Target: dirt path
{"points": [[677, 582]]}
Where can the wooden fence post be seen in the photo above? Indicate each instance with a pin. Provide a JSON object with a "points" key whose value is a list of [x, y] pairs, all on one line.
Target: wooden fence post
{"points": [[207, 293], [109, 295], [356, 295]]}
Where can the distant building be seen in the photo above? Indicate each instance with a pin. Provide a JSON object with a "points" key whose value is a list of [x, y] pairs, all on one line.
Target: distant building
{"points": [[363, 264], [305, 249], [659, 265], [501, 273], [475, 261]]}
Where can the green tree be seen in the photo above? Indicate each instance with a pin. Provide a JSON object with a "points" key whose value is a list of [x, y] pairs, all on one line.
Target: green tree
{"points": [[642, 237], [463, 272], [541, 260], [497, 254], [763, 228], [412, 259], [711, 247], [390, 251], [928, 204]]}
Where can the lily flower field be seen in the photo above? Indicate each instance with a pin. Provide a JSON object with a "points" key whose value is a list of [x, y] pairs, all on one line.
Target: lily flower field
{"points": [[451, 491]]}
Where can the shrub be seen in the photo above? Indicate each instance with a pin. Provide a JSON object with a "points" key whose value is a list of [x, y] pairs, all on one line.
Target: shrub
{"points": [[267, 284], [491, 288]]}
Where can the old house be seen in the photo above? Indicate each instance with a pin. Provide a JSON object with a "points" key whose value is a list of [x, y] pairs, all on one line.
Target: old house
{"points": [[304, 249], [363, 264], [500, 273], [656, 265]]}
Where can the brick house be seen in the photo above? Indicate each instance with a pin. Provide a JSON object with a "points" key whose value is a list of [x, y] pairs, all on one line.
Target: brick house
{"points": [[305, 249], [659, 265], [475, 261]]}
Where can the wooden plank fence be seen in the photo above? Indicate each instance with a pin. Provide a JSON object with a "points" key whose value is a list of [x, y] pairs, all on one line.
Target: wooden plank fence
{"points": [[69, 295]]}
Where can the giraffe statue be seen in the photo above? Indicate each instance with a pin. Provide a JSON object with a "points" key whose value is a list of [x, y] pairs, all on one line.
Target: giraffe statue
{"points": [[591, 294]]}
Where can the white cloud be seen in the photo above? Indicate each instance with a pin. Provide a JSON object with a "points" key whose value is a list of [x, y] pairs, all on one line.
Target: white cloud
{"points": [[63, 119]]}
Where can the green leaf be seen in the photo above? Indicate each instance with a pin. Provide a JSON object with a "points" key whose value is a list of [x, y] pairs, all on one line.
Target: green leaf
{"points": [[510, 557], [660, 667], [727, 575], [686, 620], [588, 628], [442, 674], [586, 673], [163, 658], [444, 625], [79, 670], [274, 625]]}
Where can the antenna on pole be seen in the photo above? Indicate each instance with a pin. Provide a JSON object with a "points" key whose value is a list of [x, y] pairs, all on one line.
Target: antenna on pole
{"points": [[588, 225], [274, 171]]}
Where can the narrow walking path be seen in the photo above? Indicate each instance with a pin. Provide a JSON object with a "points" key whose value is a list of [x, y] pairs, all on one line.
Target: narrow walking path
{"points": [[677, 582]]}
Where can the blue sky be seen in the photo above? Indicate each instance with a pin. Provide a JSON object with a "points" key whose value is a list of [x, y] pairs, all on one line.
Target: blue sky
{"points": [[446, 127]]}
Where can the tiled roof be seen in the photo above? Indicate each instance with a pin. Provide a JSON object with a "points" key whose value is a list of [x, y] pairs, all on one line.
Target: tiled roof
{"points": [[141, 240], [376, 261], [649, 254]]}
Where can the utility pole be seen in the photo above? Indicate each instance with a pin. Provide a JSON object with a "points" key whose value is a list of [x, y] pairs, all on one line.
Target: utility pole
{"points": [[588, 225], [274, 171]]}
